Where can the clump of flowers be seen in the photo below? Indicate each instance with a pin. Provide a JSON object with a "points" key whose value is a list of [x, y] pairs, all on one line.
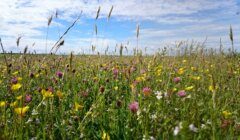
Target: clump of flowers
{"points": [[134, 107]]}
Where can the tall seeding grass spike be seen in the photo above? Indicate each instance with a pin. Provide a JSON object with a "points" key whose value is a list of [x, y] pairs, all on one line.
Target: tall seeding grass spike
{"points": [[98, 12], [231, 38], [96, 29], [18, 40], [110, 12], [60, 38], [50, 20]]}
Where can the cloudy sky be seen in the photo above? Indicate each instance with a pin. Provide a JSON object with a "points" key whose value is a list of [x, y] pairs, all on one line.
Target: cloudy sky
{"points": [[162, 22]]}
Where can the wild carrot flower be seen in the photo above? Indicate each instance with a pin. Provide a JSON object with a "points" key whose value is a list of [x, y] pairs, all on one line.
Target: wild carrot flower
{"points": [[193, 128], [134, 107], [146, 91], [21, 111], [176, 79], [159, 95], [182, 93]]}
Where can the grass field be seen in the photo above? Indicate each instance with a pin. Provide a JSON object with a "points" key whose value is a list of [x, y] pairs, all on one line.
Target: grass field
{"points": [[193, 96]]}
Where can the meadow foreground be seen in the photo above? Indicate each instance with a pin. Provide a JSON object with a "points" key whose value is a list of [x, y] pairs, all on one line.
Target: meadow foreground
{"points": [[110, 97]]}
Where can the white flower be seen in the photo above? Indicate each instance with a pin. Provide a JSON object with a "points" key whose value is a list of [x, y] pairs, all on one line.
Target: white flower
{"points": [[159, 95], [193, 128], [176, 131], [154, 116]]}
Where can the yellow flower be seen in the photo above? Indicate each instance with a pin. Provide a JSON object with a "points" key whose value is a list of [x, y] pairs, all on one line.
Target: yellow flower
{"points": [[226, 114], [47, 94], [16, 87], [184, 61], [211, 88], [116, 88], [59, 94], [13, 104], [3, 103], [21, 111], [193, 68], [181, 71], [189, 88], [15, 73], [0, 81], [19, 78], [19, 97], [105, 136], [196, 77], [77, 106], [174, 89]]}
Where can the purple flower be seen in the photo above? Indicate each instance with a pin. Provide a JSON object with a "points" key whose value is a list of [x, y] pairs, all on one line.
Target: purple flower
{"points": [[14, 80], [146, 91], [115, 71], [181, 93], [176, 79], [134, 107], [59, 74], [28, 98], [31, 75]]}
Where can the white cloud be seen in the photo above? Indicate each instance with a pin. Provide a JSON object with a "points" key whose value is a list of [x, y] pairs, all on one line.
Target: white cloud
{"points": [[29, 18]]}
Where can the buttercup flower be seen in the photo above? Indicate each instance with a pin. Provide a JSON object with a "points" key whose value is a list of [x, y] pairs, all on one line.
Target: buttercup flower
{"points": [[21, 111]]}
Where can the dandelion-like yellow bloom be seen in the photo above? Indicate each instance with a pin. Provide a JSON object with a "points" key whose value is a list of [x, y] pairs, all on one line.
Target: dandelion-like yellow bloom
{"points": [[16, 87], [21, 111], [47, 94], [3, 103], [77, 106]]}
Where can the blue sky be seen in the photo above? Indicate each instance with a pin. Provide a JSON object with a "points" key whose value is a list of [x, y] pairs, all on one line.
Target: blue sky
{"points": [[162, 23]]}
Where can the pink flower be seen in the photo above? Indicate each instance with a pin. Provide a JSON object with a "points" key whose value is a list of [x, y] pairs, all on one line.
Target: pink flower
{"points": [[115, 71], [146, 91], [14, 80], [28, 98], [134, 107], [176, 79], [182, 93], [59, 74]]}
